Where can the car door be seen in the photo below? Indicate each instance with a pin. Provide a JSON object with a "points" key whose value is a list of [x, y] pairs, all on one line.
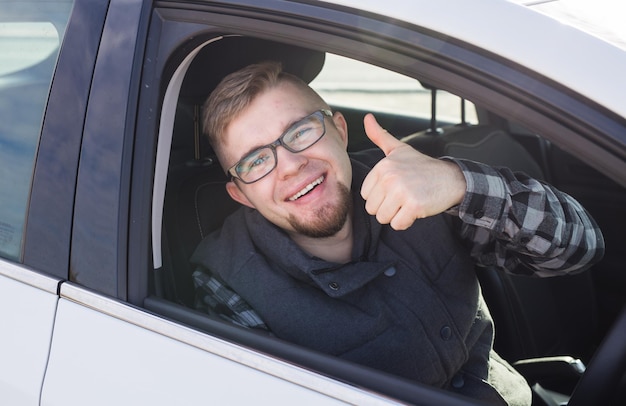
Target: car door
{"points": [[494, 83], [27, 309], [117, 338]]}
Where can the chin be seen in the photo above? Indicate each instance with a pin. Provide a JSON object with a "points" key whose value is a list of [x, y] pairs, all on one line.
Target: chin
{"points": [[327, 220]]}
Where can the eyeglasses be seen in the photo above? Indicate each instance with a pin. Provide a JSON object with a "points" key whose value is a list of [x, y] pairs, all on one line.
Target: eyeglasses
{"points": [[300, 136]]}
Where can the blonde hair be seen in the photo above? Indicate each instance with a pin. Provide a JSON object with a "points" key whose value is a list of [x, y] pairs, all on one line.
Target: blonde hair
{"points": [[237, 91]]}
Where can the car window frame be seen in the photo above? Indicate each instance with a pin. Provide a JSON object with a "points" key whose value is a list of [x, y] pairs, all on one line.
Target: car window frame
{"points": [[50, 212], [99, 230]]}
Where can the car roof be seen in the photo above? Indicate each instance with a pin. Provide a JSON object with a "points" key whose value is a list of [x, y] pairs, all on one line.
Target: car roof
{"points": [[577, 59]]}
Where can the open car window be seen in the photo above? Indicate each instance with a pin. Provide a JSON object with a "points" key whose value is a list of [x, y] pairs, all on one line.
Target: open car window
{"points": [[190, 201], [493, 125]]}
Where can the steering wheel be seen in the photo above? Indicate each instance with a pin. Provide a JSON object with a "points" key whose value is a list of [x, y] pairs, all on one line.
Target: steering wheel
{"points": [[606, 369]]}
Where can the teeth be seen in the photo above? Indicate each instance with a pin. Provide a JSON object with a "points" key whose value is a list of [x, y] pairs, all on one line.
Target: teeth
{"points": [[307, 189]]}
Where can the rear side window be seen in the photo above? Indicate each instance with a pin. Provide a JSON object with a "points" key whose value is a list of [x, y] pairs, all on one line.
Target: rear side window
{"points": [[345, 82], [31, 33]]}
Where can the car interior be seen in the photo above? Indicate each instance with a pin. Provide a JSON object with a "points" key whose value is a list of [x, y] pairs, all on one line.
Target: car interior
{"points": [[548, 328]]}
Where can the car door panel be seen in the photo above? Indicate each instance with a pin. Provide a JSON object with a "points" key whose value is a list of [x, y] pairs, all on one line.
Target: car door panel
{"points": [[100, 343], [27, 309]]}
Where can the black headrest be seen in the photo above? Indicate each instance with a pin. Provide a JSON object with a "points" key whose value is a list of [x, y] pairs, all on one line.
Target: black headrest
{"points": [[229, 54]]}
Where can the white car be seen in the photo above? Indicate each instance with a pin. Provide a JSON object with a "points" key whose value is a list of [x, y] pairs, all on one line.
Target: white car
{"points": [[107, 185]]}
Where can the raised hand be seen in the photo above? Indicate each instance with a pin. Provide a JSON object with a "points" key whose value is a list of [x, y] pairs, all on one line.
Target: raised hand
{"points": [[406, 184]]}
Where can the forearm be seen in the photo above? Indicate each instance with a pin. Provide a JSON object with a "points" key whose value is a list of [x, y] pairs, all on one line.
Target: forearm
{"points": [[510, 219]]}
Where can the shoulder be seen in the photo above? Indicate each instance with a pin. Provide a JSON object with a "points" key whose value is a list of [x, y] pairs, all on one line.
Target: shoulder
{"points": [[220, 248]]}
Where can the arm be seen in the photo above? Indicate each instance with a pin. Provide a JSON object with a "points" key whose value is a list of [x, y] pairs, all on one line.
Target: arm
{"points": [[214, 297], [510, 219]]}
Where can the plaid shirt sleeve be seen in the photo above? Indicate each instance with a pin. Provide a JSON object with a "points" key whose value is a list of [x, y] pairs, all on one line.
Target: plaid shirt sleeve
{"points": [[214, 297], [509, 219]]}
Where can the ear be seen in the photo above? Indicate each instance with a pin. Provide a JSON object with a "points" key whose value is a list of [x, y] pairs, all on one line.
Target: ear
{"points": [[237, 195], [342, 126]]}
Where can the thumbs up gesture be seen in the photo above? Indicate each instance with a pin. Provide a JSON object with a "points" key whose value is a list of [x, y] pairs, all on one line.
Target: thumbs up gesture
{"points": [[407, 185]]}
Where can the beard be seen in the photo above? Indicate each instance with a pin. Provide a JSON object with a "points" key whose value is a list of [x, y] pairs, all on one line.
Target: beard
{"points": [[328, 219]]}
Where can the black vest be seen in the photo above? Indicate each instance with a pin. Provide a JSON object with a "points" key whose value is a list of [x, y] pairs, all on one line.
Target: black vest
{"points": [[409, 303]]}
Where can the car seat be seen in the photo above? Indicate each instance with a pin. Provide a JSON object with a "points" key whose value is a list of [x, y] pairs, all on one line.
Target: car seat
{"points": [[196, 201]]}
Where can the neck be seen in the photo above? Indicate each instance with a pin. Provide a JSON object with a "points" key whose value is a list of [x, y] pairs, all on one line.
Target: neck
{"points": [[337, 248]]}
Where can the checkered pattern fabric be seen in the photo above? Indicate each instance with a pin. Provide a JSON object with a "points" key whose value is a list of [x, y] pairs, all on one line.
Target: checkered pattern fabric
{"points": [[214, 297], [524, 226]]}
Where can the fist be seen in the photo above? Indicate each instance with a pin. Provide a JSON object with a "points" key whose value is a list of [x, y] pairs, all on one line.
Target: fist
{"points": [[407, 185]]}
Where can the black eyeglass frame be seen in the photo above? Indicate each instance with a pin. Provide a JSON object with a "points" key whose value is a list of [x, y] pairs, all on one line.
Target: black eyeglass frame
{"points": [[232, 171]]}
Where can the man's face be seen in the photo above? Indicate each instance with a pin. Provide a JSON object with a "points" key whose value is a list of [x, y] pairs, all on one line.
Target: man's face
{"points": [[308, 193]]}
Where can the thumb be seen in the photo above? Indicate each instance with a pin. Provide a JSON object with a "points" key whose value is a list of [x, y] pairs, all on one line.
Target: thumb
{"points": [[379, 135]]}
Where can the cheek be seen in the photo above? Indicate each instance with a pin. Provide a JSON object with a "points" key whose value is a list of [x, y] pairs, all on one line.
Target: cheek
{"points": [[261, 195], [344, 169]]}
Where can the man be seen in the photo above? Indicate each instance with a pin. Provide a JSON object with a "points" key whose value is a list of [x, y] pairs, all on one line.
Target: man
{"points": [[373, 265]]}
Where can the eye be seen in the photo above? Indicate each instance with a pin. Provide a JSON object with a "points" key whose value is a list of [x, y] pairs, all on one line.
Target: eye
{"points": [[300, 132], [303, 133], [257, 160]]}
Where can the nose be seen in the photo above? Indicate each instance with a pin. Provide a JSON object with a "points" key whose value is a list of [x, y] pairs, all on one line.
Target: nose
{"points": [[289, 163]]}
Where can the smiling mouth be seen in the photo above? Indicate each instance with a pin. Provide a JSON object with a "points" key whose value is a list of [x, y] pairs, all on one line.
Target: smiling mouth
{"points": [[307, 189]]}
